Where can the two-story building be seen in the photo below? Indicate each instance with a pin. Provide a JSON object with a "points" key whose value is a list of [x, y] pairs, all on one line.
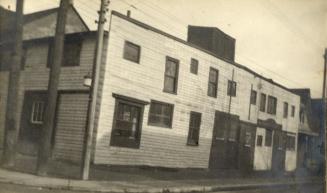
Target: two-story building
{"points": [[163, 101]]}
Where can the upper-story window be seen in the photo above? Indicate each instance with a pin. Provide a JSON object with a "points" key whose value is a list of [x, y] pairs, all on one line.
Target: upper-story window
{"points": [[285, 114], [231, 88], [293, 111], [71, 55], [161, 114], [213, 82], [253, 98], [171, 75], [302, 117], [272, 105], [263, 98], [194, 66], [132, 52]]}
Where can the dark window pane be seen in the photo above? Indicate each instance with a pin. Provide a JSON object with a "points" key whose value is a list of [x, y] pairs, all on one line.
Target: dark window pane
{"points": [[71, 53], [194, 66], [268, 139], [213, 82], [272, 105], [259, 140], [194, 128], [263, 102], [171, 71], [293, 111], [127, 124], [231, 88], [132, 52], [253, 98], [285, 114], [213, 76], [160, 114], [5, 59], [248, 138]]}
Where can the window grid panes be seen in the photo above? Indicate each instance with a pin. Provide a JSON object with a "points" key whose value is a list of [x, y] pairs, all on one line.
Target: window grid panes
{"points": [[161, 114], [37, 112], [132, 52], [213, 82], [231, 88], [171, 73]]}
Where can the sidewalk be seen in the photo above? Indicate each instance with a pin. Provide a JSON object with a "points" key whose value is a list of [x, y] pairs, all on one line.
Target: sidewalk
{"points": [[150, 186], [145, 179]]}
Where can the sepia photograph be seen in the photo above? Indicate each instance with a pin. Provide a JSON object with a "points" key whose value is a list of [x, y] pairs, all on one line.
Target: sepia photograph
{"points": [[163, 96]]}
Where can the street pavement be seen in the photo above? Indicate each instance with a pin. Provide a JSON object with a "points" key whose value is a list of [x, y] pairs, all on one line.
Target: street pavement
{"points": [[11, 188]]}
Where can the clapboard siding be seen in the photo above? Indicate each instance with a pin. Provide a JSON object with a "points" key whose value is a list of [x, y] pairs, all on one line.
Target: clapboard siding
{"points": [[3, 104], [70, 126], [144, 81]]}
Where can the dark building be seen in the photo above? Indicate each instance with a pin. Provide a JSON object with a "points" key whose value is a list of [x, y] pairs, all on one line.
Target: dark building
{"points": [[214, 40]]}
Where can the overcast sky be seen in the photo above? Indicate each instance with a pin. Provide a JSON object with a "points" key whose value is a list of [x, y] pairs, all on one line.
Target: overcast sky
{"points": [[280, 39]]}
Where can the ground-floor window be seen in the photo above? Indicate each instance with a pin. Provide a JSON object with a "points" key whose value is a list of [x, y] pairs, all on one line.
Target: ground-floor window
{"points": [[161, 114], [37, 113], [127, 122]]}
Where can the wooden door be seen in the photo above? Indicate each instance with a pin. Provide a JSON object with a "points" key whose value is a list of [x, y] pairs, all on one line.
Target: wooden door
{"points": [[278, 152], [246, 147], [224, 149], [31, 122]]}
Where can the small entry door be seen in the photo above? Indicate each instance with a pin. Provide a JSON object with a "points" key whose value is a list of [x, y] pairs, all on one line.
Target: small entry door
{"points": [[31, 122], [278, 153], [246, 147], [224, 150]]}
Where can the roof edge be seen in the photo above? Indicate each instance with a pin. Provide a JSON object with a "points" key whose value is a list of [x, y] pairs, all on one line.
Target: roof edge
{"points": [[148, 27]]}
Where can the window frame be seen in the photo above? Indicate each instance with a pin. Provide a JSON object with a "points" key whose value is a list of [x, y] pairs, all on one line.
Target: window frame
{"points": [[263, 99], [124, 141], [292, 111], [160, 124], [67, 41], [285, 110], [213, 83], [125, 55], [175, 61], [272, 105], [194, 66], [37, 121], [231, 88], [253, 97], [190, 139]]}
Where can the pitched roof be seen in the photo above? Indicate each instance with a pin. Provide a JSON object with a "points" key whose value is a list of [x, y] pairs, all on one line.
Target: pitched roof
{"points": [[34, 27]]}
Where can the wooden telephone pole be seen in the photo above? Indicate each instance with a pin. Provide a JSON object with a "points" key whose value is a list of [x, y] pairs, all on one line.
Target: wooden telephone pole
{"points": [[324, 89], [94, 91], [45, 142], [11, 125]]}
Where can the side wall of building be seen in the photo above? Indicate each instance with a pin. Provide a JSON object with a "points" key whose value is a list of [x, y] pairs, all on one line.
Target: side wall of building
{"points": [[144, 81]]}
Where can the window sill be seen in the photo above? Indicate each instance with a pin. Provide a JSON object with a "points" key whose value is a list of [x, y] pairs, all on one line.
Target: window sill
{"points": [[192, 144], [158, 125], [169, 92]]}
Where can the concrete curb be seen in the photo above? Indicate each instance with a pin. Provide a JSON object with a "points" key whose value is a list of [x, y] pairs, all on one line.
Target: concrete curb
{"points": [[125, 187]]}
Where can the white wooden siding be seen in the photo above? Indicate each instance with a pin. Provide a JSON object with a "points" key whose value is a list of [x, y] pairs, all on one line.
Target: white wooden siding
{"points": [[71, 123], [162, 146]]}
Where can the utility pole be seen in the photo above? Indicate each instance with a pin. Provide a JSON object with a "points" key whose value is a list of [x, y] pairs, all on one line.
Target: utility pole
{"points": [[324, 113], [94, 91], [45, 141], [11, 124]]}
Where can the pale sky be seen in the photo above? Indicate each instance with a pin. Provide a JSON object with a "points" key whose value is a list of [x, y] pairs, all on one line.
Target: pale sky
{"points": [[280, 39]]}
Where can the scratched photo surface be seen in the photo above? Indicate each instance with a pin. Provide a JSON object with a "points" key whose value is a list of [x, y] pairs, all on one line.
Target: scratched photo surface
{"points": [[163, 96]]}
